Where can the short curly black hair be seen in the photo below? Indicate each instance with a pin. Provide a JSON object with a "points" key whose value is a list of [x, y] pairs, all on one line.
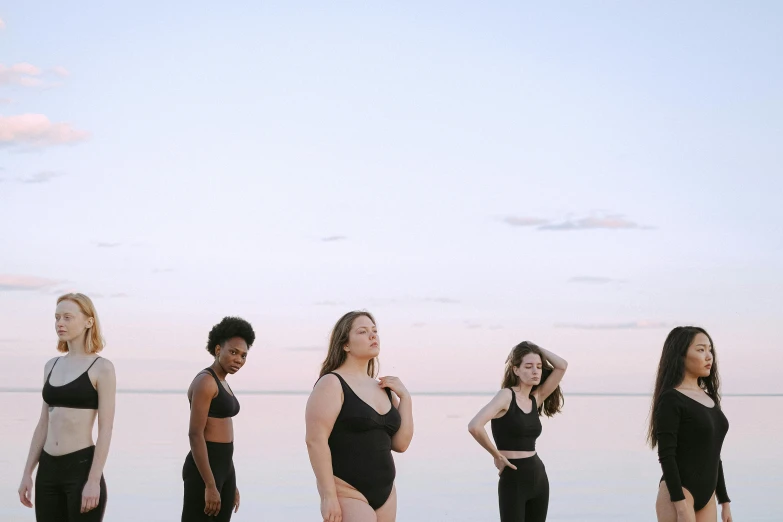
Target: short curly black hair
{"points": [[229, 328]]}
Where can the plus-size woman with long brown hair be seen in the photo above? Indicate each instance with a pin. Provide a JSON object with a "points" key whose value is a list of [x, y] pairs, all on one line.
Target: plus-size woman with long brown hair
{"points": [[354, 422]]}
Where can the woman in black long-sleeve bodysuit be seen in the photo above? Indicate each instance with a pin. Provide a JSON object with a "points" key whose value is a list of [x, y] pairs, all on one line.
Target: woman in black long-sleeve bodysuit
{"points": [[688, 427]]}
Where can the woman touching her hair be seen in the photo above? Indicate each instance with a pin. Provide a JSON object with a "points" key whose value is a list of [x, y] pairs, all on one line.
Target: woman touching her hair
{"points": [[531, 387], [354, 422]]}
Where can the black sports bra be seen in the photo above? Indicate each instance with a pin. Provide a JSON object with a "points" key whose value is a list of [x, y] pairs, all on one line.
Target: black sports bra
{"points": [[517, 430], [224, 404], [79, 393]]}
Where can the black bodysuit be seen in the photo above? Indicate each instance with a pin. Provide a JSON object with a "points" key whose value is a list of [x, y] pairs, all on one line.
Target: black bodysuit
{"points": [[360, 444], [690, 436]]}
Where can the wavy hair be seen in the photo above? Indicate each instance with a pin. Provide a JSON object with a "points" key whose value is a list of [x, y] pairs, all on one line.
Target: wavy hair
{"points": [[552, 404], [341, 332]]}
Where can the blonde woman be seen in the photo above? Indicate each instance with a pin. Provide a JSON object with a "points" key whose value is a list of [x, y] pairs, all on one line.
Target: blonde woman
{"points": [[354, 422], [78, 388]]}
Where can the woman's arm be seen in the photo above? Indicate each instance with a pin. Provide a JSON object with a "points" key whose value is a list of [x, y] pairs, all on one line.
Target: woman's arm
{"points": [[36, 446], [203, 391], [552, 381], [495, 408], [322, 410], [107, 391], [667, 421], [402, 439]]}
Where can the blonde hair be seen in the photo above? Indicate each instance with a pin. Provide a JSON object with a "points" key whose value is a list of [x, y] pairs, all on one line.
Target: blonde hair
{"points": [[94, 342]]}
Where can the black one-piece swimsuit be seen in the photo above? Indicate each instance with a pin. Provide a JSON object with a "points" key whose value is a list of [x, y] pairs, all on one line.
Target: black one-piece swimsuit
{"points": [[360, 444]]}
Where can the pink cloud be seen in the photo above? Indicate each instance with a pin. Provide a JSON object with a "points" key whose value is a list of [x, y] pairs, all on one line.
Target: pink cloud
{"points": [[2, 24], [611, 222], [23, 282], [37, 130], [61, 71], [20, 74]]}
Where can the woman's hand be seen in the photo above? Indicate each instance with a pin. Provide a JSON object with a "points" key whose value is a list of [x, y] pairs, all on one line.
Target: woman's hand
{"points": [[26, 490], [91, 496], [395, 385], [211, 501], [685, 512], [330, 510], [236, 501], [501, 462], [725, 513]]}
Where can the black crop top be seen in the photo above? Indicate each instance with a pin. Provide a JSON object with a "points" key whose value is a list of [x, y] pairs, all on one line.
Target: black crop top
{"points": [[517, 430], [79, 393], [224, 404], [690, 437]]}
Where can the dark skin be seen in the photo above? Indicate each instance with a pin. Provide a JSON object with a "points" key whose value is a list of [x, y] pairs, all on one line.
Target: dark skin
{"points": [[229, 359]]}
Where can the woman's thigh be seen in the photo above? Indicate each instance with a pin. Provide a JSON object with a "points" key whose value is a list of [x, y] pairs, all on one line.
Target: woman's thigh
{"points": [[664, 507], [388, 511], [708, 513], [355, 510]]}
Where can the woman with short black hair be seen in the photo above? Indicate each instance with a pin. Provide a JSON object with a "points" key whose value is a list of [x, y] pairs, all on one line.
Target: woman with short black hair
{"points": [[210, 482]]}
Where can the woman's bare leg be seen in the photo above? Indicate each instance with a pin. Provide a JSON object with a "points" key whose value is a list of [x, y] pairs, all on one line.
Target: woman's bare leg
{"points": [[356, 510], [388, 511], [354, 506], [664, 507], [708, 513]]}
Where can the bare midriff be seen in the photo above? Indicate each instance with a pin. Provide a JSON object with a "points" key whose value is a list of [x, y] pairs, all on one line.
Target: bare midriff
{"points": [[219, 430], [69, 430], [517, 454]]}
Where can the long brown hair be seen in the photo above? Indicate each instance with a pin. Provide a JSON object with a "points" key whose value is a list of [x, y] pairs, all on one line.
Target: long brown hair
{"points": [[552, 404], [336, 355], [94, 341], [671, 371]]}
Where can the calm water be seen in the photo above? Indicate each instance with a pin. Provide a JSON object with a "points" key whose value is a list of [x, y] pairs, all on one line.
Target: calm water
{"points": [[598, 466]]}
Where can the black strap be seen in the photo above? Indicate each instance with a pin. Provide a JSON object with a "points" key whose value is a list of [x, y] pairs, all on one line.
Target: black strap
{"points": [[88, 368], [50, 371]]}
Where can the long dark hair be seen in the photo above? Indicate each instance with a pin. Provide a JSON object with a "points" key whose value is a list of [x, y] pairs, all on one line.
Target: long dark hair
{"points": [[336, 355], [552, 404], [671, 371]]}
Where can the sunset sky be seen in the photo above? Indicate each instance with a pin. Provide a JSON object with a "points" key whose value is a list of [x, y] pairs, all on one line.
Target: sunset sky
{"points": [[585, 176]]}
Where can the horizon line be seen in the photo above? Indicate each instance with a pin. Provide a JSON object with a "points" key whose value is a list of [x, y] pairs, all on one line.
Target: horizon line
{"points": [[452, 393]]}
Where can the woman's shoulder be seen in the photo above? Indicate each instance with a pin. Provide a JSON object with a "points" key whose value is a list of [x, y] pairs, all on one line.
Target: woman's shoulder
{"points": [[670, 398], [328, 382], [103, 364], [504, 396]]}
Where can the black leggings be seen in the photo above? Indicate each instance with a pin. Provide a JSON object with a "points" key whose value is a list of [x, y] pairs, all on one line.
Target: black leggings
{"points": [[222, 466], [59, 484], [524, 493]]}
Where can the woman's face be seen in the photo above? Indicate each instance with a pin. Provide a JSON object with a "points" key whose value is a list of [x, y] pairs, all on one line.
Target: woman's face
{"points": [[69, 321], [363, 341], [529, 370], [232, 354], [698, 358]]}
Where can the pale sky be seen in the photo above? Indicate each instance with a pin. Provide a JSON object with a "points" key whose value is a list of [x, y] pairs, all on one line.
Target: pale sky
{"points": [[585, 176]]}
